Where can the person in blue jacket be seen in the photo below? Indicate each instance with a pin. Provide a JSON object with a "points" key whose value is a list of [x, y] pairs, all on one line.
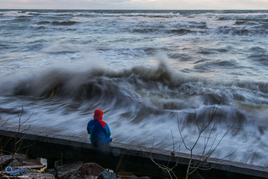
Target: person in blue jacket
{"points": [[98, 129]]}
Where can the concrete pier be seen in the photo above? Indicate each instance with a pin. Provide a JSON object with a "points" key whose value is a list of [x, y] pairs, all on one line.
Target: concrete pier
{"points": [[121, 156]]}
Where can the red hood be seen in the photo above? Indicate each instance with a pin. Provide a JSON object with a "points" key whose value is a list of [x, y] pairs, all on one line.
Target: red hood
{"points": [[98, 114]]}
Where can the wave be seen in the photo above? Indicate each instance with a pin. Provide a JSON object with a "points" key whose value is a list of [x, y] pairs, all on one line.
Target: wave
{"points": [[23, 19], [142, 99], [146, 82], [39, 27], [140, 95], [242, 30], [66, 23], [214, 50], [210, 66], [194, 24], [147, 30], [16, 13], [55, 23], [4, 46], [243, 16], [260, 58]]}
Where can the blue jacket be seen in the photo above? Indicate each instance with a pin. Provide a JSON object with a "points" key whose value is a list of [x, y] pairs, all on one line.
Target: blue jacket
{"points": [[99, 132]]}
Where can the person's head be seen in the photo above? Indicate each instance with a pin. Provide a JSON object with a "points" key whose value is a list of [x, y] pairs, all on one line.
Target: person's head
{"points": [[98, 114]]}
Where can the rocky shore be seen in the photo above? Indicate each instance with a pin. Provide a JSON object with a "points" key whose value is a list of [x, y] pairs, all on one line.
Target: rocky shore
{"points": [[22, 166]]}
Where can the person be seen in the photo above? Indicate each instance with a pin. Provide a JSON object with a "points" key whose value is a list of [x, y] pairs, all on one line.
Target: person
{"points": [[98, 129]]}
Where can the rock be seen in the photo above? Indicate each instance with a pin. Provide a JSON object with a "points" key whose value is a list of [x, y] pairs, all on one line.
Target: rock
{"points": [[37, 176], [106, 175], [124, 174], [29, 170], [67, 168], [76, 175], [43, 161], [4, 159], [89, 169], [31, 162], [15, 163], [51, 171], [21, 157]]}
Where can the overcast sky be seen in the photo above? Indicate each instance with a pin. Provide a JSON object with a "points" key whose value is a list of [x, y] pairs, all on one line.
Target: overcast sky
{"points": [[134, 4]]}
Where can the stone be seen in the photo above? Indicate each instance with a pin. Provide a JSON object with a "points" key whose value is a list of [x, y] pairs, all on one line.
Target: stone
{"points": [[67, 168], [37, 176], [21, 157], [15, 163], [31, 162], [89, 169], [4, 159], [30, 171], [106, 175], [76, 175], [51, 171], [125, 174], [43, 161]]}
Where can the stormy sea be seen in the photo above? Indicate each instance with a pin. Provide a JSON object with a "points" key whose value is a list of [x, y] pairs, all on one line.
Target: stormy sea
{"points": [[157, 75]]}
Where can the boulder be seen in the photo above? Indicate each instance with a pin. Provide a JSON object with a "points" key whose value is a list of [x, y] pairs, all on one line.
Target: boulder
{"points": [[76, 175], [67, 168], [51, 171], [125, 174], [5, 159], [90, 169], [31, 162], [37, 176], [106, 175], [15, 163], [30, 171], [21, 157]]}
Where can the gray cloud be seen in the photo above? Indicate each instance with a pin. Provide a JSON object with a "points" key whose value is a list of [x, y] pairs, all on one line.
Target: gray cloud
{"points": [[132, 4]]}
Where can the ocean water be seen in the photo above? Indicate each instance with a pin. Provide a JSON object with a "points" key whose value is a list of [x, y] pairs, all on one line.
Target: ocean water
{"points": [[151, 72]]}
